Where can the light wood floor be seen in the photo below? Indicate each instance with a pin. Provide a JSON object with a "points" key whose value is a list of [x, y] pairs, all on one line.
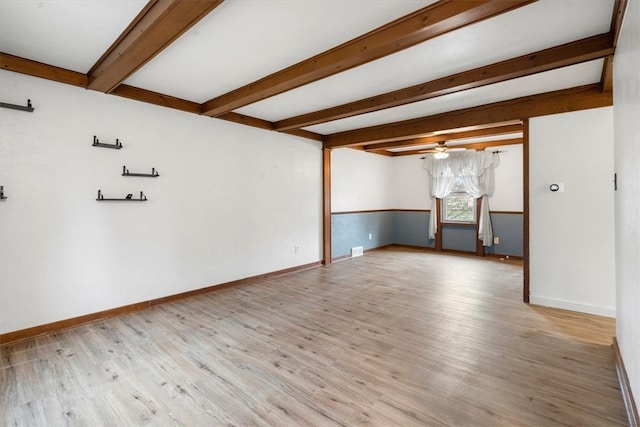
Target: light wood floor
{"points": [[396, 337]]}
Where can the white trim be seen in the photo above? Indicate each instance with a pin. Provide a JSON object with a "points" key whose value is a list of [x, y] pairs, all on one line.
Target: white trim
{"points": [[573, 306]]}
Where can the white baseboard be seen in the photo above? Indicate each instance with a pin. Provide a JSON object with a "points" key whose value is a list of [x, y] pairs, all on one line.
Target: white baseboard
{"points": [[573, 306]]}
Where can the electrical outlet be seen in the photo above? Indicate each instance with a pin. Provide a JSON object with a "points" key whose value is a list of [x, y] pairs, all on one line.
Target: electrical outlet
{"points": [[496, 240], [296, 249], [370, 236]]}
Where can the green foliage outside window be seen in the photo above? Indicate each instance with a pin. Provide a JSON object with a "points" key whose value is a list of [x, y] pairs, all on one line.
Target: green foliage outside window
{"points": [[459, 206]]}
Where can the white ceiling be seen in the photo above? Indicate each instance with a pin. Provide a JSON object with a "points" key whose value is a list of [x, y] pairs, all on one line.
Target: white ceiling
{"points": [[503, 37], [561, 78], [70, 34], [245, 40], [241, 41]]}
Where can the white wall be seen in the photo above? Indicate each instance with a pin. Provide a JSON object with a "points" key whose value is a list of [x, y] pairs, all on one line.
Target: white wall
{"points": [[231, 202], [627, 198], [410, 183], [508, 178], [572, 232], [360, 181]]}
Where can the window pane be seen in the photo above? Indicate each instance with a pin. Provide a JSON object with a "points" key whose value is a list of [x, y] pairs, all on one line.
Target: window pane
{"points": [[459, 208]]}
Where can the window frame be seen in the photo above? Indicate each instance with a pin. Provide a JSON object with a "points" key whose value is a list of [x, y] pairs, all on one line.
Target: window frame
{"points": [[459, 192]]}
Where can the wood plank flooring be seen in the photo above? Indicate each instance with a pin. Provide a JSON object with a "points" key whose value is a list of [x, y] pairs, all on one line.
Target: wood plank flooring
{"points": [[395, 338]]}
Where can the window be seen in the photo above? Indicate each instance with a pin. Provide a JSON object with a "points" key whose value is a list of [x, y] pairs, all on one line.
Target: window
{"points": [[459, 207]]}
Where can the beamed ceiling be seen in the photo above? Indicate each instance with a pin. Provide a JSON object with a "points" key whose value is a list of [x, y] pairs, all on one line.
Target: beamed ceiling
{"points": [[391, 77]]}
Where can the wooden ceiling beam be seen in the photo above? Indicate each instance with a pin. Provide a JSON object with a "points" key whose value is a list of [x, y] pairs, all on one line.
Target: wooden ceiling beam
{"points": [[267, 125], [62, 75], [617, 17], [163, 100], [424, 24], [495, 143], [560, 56], [143, 95], [446, 136], [606, 81], [560, 101], [619, 8], [382, 152], [155, 28], [473, 146], [247, 120], [305, 134], [43, 71]]}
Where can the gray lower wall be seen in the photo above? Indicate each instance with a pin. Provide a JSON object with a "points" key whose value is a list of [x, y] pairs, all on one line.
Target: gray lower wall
{"points": [[411, 228], [509, 227], [349, 230], [459, 238]]}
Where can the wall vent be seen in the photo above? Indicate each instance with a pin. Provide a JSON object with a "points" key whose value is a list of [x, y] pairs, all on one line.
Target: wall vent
{"points": [[357, 251]]}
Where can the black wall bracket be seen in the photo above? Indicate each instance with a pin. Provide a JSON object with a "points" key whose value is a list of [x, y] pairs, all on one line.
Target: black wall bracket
{"points": [[97, 143], [2, 196], [29, 108], [154, 173], [128, 198]]}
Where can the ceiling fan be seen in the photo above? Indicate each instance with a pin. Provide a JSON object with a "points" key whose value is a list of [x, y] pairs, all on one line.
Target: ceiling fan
{"points": [[441, 151]]}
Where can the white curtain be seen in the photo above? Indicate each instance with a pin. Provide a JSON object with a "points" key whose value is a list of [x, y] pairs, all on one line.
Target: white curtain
{"points": [[475, 168]]}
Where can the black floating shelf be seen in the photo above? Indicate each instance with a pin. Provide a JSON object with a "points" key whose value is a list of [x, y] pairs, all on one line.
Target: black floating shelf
{"points": [[128, 198], [29, 108], [154, 173], [97, 143], [2, 196]]}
